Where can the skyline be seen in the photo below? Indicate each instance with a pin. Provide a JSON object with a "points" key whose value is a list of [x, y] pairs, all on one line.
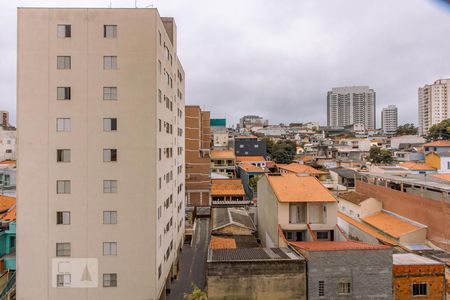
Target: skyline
{"points": [[238, 70]]}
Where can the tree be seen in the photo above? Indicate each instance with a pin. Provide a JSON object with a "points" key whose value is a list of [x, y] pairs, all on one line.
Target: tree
{"points": [[440, 131], [282, 152], [406, 129], [196, 294], [377, 155], [253, 182]]}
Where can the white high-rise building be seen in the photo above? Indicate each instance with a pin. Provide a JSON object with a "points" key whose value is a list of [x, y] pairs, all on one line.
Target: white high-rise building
{"points": [[351, 105], [100, 207], [389, 119], [434, 104]]}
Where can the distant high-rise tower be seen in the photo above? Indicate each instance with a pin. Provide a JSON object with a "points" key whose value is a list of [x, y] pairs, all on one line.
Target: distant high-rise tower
{"points": [[434, 104], [351, 105], [389, 119]]}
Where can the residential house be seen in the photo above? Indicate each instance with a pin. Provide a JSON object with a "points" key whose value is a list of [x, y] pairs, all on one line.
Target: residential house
{"points": [[258, 161], [223, 162], [437, 146], [343, 178], [439, 161], [397, 141], [418, 168], [413, 154], [295, 168], [249, 146], [357, 205], [246, 172], [228, 192]]}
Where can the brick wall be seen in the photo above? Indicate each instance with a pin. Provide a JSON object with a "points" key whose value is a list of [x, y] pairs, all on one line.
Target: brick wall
{"points": [[434, 214]]}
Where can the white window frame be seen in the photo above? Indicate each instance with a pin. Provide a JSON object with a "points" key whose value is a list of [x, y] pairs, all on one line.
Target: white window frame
{"points": [[63, 124], [109, 186], [63, 186], [109, 248], [109, 62], [110, 93], [110, 217]]}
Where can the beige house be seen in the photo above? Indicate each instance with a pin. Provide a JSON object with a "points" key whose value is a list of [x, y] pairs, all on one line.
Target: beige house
{"points": [[299, 207], [357, 205], [223, 162], [101, 154]]}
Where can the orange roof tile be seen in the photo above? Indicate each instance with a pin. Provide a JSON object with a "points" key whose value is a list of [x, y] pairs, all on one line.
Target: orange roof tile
{"points": [[298, 168], [8, 162], [222, 154], [353, 197], [253, 137], [367, 229], [442, 176], [6, 202], [222, 243], [307, 158], [337, 246], [227, 187], [251, 168], [390, 225], [270, 164], [413, 166], [251, 158], [10, 215], [438, 143], [292, 188]]}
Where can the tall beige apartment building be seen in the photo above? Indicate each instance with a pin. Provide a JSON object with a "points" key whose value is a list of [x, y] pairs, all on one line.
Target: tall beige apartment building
{"points": [[198, 162], [101, 154], [434, 104]]}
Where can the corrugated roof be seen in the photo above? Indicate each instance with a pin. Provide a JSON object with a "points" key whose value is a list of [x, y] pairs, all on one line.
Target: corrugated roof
{"points": [[298, 168], [222, 154], [337, 246], [226, 216], [390, 225], [438, 143], [252, 254], [227, 187], [249, 168], [344, 172], [353, 197], [292, 188]]}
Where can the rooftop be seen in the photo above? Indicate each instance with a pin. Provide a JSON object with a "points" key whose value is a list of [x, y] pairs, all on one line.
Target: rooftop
{"points": [[353, 197], [413, 179], [222, 243], [6, 202], [438, 143], [250, 158], [242, 137], [390, 224], [344, 172], [298, 168], [227, 187], [292, 188], [337, 246], [249, 168], [406, 259], [222, 154], [445, 177], [413, 166], [226, 216], [252, 254], [8, 162]]}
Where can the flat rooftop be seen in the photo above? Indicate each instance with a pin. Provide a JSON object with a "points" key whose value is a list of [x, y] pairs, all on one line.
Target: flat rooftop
{"points": [[405, 259], [414, 179]]}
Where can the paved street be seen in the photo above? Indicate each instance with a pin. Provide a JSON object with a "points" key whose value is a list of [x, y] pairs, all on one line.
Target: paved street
{"points": [[193, 262]]}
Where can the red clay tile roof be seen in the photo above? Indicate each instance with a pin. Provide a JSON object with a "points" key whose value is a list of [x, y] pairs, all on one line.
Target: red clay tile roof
{"points": [[10, 215], [298, 168], [251, 168], [222, 243], [289, 187], [413, 166], [251, 158], [8, 162], [438, 143], [390, 225], [227, 187], [222, 154], [337, 246], [442, 176], [353, 197], [6, 202]]}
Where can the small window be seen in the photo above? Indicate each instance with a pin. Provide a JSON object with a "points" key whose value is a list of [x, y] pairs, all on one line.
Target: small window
{"points": [[63, 186], [109, 124], [63, 280], [110, 280], [62, 249], [110, 31], [110, 249], [63, 155], [109, 186], [322, 235], [109, 155], [344, 288], [63, 93], [64, 31], [63, 63], [110, 93], [109, 62], [159, 96], [321, 288], [63, 217], [420, 289], [110, 217], [63, 124]]}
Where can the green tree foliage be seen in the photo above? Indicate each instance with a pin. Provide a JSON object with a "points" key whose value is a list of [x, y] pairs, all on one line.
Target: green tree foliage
{"points": [[282, 152], [253, 182], [196, 294], [440, 131], [406, 129], [377, 155]]}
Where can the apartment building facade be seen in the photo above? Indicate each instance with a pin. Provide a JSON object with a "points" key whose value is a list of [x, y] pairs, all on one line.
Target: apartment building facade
{"points": [[434, 104], [198, 164], [101, 114], [351, 105], [389, 119]]}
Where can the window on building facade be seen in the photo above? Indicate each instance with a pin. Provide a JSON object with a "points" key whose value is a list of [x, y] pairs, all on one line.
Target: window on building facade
{"points": [[64, 31], [109, 62], [63, 217], [63, 280], [110, 93], [109, 186], [63, 63], [63, 124], [62, 249], [321, 288], [63, 186], [109, 124], [420, 289], [109, 155], [110, 217], [63, 93], [63, 155], [109, 248], [110, 31], [344, 288], [110, 280], [322, 235]]}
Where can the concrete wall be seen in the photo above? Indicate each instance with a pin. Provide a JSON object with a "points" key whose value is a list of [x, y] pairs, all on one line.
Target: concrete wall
{"points": [[429, 212], [267, 214], [268, 280], [369, 271]]}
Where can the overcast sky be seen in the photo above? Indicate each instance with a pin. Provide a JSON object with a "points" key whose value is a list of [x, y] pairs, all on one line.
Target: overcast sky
{"points": [[278, 59]]}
